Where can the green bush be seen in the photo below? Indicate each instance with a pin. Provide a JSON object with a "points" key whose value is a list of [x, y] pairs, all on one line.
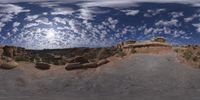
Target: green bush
{"points": [[187, 55], [120, 53], [21, 58]]}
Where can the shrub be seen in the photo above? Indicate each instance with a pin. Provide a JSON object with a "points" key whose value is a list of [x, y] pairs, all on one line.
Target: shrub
{"points": [[120, 53], [195, 58], [21, 58], [187, 55], [133, 51], [176, 50]]}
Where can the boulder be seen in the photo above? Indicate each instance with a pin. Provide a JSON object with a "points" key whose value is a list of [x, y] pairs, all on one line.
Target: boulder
{"points": [[90, 65], [102, 62], [73, 66], [42, 66], [79, 59], [9, 65]]}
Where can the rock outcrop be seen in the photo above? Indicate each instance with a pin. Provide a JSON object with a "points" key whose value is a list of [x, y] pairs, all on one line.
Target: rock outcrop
{"points": [[9, 65], [42, 66], [79, 59], [90, 65], [12, 51], [73, 66], [102, 62], [157, 45]]}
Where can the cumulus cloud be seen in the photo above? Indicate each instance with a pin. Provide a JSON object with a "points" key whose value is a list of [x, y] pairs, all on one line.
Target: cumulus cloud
{"points": [[189, 19], [31, 17], [177, 14], [62, 11], [197, 26], [7, 13], [153, 12], [43, 20], [131, 12], [42, 31], [172, 22], [11, 9]]}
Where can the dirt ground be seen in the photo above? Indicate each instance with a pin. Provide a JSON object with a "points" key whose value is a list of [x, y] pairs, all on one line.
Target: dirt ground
{"points": [[138, 77]]}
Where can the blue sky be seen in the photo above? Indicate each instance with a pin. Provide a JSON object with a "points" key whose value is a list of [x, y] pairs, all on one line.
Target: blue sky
{"points": [[38, 24]]}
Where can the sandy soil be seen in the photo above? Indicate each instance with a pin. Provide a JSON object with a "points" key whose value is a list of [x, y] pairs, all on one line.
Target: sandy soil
{"points": [[138, 77]]}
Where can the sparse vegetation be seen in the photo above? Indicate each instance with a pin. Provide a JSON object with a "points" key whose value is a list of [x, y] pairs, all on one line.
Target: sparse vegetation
{"points": [[120, 53], [191, 54], [176, 50], [22, 58], [187, 55]]}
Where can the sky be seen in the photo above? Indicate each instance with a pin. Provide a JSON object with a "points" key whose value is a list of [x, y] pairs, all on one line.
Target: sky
{"points": [[48, 24]]}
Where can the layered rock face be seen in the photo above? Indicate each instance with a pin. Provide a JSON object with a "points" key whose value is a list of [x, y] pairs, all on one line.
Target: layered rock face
{"points": [[1, 50], [12, 51], [155, 46]]}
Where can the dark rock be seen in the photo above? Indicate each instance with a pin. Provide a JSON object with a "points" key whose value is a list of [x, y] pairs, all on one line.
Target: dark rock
{"points": [[42, 66], [102, 62], [73, 66], [9, 51], [79, 59], [90, 65]]}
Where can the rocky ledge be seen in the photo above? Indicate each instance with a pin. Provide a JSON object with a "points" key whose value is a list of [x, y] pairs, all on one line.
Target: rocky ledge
{"points": [[84, 58]]}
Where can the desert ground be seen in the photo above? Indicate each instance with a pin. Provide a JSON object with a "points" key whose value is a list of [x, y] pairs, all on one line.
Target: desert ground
{"points": [[137, 77]]}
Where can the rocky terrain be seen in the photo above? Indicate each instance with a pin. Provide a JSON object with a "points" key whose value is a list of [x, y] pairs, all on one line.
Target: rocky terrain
{"points": [[130, 70], [189, 54]]}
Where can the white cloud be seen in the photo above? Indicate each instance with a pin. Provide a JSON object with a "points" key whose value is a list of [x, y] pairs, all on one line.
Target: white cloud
{"points": [[86, 13], [31, 25], [177, 14], [15, 24], [172, 22], [197, 26], [11, 9], [189, 19], [131, 12], [112, 23], [31, 17], [72, 25], [60, 20], [62, 11], [7, 13], [43, 20], [45, 13], [153, 12]]}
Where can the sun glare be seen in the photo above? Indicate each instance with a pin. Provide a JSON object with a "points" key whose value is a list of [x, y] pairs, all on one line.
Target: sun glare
{"points": [[50, 34]]}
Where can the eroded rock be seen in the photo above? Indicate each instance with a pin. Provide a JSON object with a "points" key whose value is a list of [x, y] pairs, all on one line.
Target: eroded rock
{"points": [[79, 59], [102, 62], [42, 66], [90, 65], [73, 66], [9, 65]]}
